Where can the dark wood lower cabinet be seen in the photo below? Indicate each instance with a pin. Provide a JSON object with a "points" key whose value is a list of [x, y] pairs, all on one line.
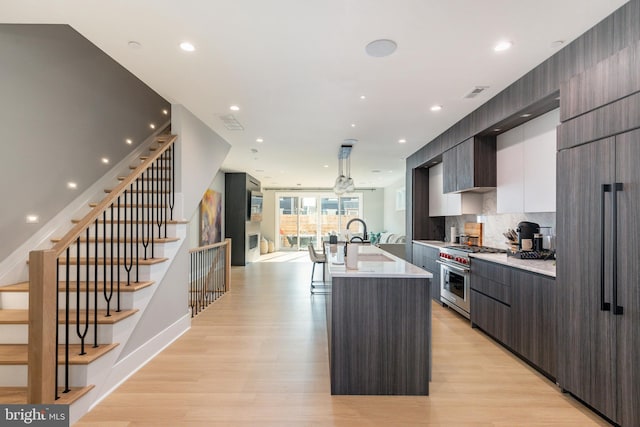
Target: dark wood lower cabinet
{"points": [[425, 257], [534, 320], [491, 316], [517, 308]]}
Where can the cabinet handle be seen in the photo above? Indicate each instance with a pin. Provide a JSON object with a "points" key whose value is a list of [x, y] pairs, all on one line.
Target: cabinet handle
{"points": [[604, 306], [617, 309]]}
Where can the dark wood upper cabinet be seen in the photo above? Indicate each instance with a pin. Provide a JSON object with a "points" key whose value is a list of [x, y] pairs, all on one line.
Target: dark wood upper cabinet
{"points": [[470, 165]]}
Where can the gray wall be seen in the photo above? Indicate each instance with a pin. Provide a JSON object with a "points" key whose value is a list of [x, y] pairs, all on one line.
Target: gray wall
{"points": [[65, 105]]}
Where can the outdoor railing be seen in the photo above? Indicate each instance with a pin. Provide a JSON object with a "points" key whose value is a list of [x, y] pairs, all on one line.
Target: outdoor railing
{"points": [[209, 276]]}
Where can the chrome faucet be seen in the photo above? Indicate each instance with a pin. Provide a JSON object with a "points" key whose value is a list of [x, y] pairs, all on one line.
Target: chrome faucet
{"points": [[364, 235]]}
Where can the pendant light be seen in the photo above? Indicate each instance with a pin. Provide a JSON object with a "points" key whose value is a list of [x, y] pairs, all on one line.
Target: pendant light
{"points": [[344, 184]]}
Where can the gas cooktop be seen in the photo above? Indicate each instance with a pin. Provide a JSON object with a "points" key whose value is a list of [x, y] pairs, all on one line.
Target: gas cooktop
{"points": [[476, 249]]}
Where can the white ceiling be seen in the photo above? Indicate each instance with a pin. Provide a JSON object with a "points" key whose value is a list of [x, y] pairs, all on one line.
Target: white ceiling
{"points": [[297, 69]]}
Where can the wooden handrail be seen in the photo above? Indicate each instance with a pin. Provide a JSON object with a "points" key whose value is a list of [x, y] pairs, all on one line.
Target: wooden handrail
{"points": [[80, 227], [212, 246]]}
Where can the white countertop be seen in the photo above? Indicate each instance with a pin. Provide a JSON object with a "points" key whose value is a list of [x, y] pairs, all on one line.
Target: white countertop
{"points": [[391, 266], [548, 268], [433, 243]]}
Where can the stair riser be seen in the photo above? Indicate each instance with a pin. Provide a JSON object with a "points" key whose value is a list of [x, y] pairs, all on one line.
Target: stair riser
{"points": [[79, 375], [157, 249], [144, 273], [126, 229], [19, 334]]}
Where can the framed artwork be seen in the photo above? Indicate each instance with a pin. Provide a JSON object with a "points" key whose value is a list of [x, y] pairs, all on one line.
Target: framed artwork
{"points": [[210, 218]]}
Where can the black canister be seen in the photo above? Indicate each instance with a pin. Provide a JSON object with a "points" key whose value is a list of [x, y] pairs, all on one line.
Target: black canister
{"points": [[537, 242]]}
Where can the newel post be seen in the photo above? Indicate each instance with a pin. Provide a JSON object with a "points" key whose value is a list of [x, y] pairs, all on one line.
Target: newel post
{"points": [[41, 381], [227, 266]]}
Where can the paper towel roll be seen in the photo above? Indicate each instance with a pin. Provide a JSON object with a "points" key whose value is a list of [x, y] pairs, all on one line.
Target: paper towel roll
{"points": [[352, 257], [454, 234]]}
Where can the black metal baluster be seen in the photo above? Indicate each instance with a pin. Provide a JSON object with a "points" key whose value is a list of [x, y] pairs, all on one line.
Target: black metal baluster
{"points": [[152, 195], [145, 224], [78, 263], [116, 261], [138, 225], [127, 261], [66, 324], [95, 283], [57, 327], [109, 296], [191, 282], [159, 206], [172, 201]]}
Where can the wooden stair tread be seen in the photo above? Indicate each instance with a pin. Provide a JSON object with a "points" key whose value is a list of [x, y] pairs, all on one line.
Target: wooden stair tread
{"points": [[108, 261], [17, 354], [18, 395], [62, 286], [109, 240], [127, 222], [122, 178], [157, 167], [21, 316], [109, 190]]}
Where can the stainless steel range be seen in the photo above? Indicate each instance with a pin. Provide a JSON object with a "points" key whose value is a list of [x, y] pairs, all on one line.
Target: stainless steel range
{"points": [[455, 288]]}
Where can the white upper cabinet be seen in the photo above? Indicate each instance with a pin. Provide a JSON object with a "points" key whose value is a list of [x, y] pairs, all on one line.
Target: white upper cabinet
{"points": [[450, 204], [526, 166]]}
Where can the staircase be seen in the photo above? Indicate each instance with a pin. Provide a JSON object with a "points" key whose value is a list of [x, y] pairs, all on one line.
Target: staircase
{"points": [[62, 332]]}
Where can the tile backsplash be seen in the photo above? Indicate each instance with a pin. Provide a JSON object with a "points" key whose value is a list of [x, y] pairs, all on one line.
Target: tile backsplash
{"points": [[494, 224]]}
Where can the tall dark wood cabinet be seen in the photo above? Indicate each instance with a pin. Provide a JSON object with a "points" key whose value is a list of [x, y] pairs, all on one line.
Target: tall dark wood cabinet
{"points": [[598, 225], [244, 234]]}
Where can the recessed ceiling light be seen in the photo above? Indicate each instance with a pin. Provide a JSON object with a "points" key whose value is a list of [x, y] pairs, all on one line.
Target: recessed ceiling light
{"points": [[105, 160], [32, 219], [152, 126], [375, 171], [525, 115], [187, 47], [165, 112], [557, 44], [134, 44], [128, 141], [503, 45], [497, 130], [381, 48], [353, 125], [325, 166], [72, 185], [234, 108], [259, 140], [436, 108], [363, 97], [402, 141]]}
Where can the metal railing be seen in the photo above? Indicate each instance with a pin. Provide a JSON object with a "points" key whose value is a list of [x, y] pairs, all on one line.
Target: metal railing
{"points": [[209, 275], [101, 254]]}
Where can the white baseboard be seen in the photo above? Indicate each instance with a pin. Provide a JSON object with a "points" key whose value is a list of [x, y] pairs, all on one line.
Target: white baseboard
{"points": [[133, 362]]}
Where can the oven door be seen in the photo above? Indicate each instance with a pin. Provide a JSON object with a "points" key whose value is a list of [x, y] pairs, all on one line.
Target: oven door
{"points": [[454, 287]]}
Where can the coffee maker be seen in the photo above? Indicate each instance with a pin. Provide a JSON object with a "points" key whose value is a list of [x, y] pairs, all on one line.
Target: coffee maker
{"points": [[526, 231]]}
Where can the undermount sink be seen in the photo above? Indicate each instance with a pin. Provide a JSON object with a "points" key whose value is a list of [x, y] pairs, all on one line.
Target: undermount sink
{"points": [[374, 258]]}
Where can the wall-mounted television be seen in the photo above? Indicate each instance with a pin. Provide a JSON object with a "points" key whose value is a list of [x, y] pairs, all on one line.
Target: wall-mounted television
{"points": [[255, 206]]}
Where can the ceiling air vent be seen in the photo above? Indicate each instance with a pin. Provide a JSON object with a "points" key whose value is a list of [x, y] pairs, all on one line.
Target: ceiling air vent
{"points": [[231, 123], [476, 91]]}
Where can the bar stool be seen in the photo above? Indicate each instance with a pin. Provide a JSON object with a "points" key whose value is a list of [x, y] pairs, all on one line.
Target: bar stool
{"points": [[316, 259]]}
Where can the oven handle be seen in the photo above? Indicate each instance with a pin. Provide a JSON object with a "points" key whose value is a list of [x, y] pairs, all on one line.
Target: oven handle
{"points": [[454, 267]]}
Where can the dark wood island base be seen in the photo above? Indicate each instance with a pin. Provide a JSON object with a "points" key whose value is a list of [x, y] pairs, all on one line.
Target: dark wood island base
{"points": [[379, 335]]}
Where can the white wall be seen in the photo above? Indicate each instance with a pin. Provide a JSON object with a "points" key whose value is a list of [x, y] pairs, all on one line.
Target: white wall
{"points": [[394, 220], [200, 152]]}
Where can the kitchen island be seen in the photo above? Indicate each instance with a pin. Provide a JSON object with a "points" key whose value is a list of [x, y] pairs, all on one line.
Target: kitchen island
{"points": [[378, 324]]}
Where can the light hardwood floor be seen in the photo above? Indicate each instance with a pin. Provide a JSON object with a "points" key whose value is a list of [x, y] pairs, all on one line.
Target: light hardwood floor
{"points": [[258, 357]]}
